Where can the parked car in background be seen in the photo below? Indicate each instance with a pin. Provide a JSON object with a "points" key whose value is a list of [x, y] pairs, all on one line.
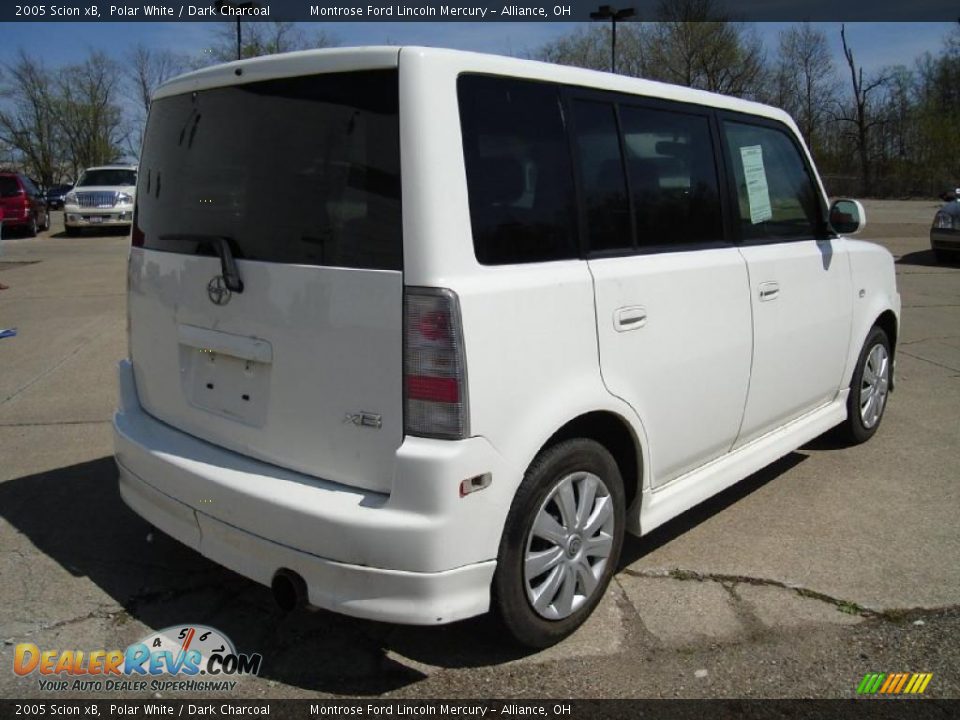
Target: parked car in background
{"points": [[102, 197], [24, 207], [945, 232], [56, 194]]}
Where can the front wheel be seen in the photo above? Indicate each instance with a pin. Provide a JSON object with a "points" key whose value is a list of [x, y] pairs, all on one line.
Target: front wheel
{"points": [[869, 388], [561, 542]]}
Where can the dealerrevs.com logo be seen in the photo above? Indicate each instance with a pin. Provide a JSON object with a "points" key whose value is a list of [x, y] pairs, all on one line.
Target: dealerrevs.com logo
{"points": [[182, 657]]}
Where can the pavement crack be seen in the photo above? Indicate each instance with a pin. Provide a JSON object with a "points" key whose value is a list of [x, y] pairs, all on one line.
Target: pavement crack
{"points": [[729, 582], [907, 343], [135, 601], [92, 615], [56, 366], [918, 357]]}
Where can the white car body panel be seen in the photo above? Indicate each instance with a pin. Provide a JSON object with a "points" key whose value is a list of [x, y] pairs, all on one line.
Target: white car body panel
{"points": [[373, 520], [335, 326], [801, 330], [694, 340]]}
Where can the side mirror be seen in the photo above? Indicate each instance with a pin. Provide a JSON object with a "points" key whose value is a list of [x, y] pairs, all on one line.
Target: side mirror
{"points": [[847, 217]]}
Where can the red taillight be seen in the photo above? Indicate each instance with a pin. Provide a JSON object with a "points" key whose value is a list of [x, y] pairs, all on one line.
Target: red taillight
{"points": [[433, 389], [435, 398]]}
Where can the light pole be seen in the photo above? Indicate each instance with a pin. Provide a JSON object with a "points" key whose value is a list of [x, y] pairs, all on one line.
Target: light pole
{"points": [[606, 12], [221, 4]]}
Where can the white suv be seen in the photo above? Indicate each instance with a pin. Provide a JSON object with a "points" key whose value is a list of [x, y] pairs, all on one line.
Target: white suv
{"points": [[102, 197], [501, 313]]}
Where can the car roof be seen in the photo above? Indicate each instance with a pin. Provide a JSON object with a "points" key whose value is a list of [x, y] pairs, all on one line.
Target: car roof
{"points": [[306, 62], [111, 167]]}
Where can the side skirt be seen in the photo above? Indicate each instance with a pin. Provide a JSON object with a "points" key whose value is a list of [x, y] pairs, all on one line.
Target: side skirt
{"points": [[664, 503]]}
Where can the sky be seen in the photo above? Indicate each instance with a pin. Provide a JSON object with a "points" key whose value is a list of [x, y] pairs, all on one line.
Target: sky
{"points": [[875, 45]]}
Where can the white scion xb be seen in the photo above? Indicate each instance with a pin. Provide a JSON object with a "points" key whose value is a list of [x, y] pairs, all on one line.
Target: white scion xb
{"points": [[416, 334]]}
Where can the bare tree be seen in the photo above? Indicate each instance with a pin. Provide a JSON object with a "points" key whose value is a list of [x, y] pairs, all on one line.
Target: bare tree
{"points": [[861, 114], [694, 43], [806, 81], [264, 38], [28, 119], [145, 70], [589, 47], [148, 68], [89, 113]]}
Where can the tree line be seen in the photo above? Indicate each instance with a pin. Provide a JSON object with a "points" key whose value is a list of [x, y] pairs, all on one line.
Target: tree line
{"points": [[54, 122], [893, 132]]}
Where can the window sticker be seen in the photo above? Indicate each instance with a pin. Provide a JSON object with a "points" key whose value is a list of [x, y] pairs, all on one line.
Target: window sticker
{"points": [[758, 195]]}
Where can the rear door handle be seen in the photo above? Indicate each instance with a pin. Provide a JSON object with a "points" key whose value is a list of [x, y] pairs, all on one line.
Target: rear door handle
{"points": [[769, 291], [629, 318]]}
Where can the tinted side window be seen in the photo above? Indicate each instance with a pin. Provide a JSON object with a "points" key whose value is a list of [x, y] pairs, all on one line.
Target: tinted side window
{"points": [[673, 176], [776, 196], [518, 170], [602, 177], [29, 186]]}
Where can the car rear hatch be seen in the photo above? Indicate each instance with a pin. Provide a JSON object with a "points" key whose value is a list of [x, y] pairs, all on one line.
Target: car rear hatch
{"points": [[266, 286], [12, 198]]}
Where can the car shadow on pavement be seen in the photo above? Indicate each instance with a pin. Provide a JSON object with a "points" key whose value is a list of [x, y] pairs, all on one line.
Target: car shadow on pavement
{"points": [[635, 548], [926, 258], [75, 516]]}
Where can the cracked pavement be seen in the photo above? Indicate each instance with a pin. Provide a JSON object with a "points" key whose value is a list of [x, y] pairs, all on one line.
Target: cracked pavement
{"points": [[831, 563]]}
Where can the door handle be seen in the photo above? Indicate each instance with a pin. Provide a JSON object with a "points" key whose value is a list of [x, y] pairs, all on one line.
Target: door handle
{"points": [[629, 318], [769, 291]]}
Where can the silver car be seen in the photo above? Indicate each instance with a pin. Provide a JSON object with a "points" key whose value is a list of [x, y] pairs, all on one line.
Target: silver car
{"points": [[945, 232]]}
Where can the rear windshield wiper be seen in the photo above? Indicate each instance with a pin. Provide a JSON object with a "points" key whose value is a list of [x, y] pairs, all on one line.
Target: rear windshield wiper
{"points": [[221, 246]]}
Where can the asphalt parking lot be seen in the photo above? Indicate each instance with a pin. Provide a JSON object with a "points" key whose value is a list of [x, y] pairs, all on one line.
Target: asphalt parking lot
{"points": [[832, 563]]}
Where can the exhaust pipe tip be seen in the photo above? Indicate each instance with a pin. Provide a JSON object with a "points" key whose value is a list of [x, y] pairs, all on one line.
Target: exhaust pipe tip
{"points": [[289, 590]]}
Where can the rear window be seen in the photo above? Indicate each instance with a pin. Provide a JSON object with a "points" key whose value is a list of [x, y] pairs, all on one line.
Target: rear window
{"points": [[296, 170], [9, 186], [91, 178]]}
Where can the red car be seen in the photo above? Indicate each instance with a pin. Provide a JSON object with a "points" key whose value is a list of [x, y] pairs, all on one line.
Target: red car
{"points": [[24, 207]]}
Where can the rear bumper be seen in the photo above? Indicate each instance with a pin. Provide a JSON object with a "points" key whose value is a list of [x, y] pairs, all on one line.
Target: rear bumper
{"points": [[407, 557], [945, 239]]}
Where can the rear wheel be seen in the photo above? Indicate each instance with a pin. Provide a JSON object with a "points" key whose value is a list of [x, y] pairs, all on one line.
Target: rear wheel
{"points": [[561, 543], [869, 388], [32, 227]]}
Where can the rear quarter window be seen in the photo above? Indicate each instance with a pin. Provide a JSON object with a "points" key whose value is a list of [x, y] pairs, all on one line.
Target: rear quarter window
{"points": [[519, 175]]}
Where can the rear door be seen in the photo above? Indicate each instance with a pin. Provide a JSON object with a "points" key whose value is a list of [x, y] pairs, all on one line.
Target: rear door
{"points": [[672, 304], [297, 181], [799, 276]]}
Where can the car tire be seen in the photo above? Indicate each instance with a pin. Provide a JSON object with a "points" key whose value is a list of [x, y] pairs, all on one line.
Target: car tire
{"points": [[561, 543], [870, 384], [32, 227], [46, 221]]}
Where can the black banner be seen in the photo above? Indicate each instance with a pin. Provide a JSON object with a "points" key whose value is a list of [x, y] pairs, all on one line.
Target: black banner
{"points": [[460, 10], [867, 709]]}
